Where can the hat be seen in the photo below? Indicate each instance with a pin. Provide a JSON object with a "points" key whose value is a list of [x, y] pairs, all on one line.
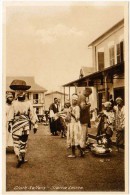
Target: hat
{"points": [[19, 85], [107, 104], [119, 99]]}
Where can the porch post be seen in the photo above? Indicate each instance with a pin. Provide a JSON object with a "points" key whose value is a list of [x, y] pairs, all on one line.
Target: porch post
{"points": [[64, 95], [69, 92], [106, 88]]}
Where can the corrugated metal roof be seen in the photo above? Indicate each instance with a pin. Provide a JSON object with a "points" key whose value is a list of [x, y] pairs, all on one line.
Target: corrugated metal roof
{"points": [[29, 81]]}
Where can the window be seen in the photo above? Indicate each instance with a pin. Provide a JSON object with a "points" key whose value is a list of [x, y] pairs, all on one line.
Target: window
{"points": [[112, 55], [37, 110], [35, 98], [120, 52], [100, 61]]}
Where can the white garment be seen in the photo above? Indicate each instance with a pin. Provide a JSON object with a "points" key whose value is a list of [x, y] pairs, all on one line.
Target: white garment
{"points": [[9, 139]]}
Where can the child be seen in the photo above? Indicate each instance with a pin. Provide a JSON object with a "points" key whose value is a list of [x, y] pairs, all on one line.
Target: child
{"points": [[65, 119], [75, 127]]}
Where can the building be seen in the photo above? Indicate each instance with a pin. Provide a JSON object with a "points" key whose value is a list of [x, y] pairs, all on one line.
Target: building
{"points": [[108, 63], [36, 94], [49, 98], [84, 71]]}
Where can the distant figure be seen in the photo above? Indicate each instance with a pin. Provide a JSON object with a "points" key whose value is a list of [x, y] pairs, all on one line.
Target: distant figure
{"points": [[53, 117], [9, 139], [64, 119], [119, 122]]}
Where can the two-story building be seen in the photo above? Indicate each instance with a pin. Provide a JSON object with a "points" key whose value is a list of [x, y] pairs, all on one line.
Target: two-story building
{"points": [[49, 98], [108, 63], [36, 94]]}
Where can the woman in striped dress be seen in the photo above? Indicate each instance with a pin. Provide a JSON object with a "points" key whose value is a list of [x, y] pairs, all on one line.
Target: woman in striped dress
{"points": [[21, 117]]}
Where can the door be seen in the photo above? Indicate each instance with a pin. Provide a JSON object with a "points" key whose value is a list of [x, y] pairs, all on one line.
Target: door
{"points": [[119, 92]]}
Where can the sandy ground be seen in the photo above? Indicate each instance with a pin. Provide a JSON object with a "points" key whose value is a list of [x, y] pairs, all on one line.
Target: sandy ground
{"points": [[49, 168]]}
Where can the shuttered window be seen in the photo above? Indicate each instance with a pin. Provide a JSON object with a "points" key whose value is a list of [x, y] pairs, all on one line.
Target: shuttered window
{"points": [[120, 52], [112, 55], [100, 61]]}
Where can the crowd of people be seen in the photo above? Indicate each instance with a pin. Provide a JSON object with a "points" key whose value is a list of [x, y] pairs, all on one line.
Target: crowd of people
{"points": [[72, 121]]}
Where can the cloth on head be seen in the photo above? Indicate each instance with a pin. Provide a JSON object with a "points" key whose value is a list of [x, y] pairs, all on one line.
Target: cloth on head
{"points": [[74, 97], [107, 104], [119, 99], [9, 94]]}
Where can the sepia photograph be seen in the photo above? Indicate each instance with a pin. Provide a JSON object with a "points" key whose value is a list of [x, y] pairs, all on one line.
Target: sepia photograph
{"points": [[65, 96]]}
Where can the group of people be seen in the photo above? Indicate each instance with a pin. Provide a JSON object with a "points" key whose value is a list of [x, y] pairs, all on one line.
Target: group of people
{"points": [[112, 118], [73, 121]]}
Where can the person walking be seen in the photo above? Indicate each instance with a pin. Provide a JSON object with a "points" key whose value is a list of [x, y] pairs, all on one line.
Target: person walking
{"points": [[75, 127], [83, 102], [9, 140], [119, 122], [20, 119]]}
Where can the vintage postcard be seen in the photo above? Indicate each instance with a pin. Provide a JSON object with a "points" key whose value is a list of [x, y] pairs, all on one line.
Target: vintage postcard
{"points": [[65, 96]]}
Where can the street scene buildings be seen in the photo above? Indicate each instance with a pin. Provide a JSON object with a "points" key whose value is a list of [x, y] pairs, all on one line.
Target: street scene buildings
{"points": [[65, 126], [107, 77]]}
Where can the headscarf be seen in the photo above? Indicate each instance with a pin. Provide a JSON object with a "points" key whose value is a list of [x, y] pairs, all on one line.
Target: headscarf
{"points": [[119, 99], [75, 97], [9, 94], [107, 104]]}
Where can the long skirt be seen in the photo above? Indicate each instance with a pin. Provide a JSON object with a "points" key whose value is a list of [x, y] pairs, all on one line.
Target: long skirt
{"points": [[74, 130], [20, 132]]}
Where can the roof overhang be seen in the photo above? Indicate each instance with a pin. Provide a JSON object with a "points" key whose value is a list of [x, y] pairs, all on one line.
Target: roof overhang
{"points": [[82, 82]]}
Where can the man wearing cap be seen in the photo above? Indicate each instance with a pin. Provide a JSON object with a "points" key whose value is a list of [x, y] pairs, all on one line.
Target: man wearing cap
{"points": [[119, 122], [21, 117], [84, 115], [9, 140]]}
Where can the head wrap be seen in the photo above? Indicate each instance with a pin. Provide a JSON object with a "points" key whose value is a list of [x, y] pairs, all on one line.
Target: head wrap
{"points": [[9, 94], [74, 97], [119, 99], [107, 104]]}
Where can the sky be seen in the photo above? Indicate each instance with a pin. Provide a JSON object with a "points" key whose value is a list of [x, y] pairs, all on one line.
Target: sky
{"points": [[50, 40]]}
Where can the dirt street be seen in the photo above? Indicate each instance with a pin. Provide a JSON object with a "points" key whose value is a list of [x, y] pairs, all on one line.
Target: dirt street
{"points": [[49, 168]]}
